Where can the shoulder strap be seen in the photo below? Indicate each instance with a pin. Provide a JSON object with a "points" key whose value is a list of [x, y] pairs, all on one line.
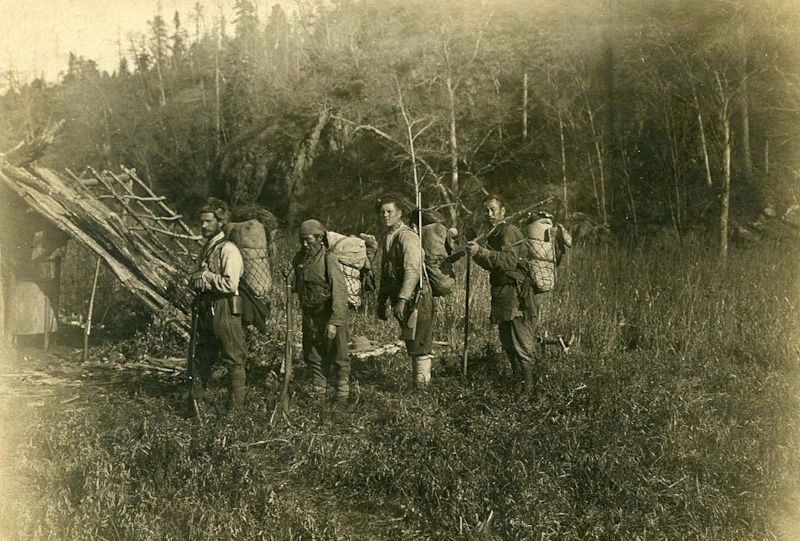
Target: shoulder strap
{"points": [[220, 245]]}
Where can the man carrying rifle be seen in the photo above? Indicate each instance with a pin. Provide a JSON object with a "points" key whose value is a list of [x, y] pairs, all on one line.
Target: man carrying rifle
{"points": [[405, 288], [513, 306], [220, 337]]}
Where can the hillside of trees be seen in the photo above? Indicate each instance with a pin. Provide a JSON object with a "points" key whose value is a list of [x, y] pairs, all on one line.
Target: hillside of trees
{"points": [[642, 117]]}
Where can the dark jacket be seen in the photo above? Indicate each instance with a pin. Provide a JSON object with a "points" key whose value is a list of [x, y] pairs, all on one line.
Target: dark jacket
{"points": [[502, 257], [320, 286]]}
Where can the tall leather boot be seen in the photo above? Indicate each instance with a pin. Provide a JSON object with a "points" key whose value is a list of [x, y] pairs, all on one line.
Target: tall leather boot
{"points": [[528, 381], [342, 384], [319, 385], [516, 373], [237, 379], [422, 370]]}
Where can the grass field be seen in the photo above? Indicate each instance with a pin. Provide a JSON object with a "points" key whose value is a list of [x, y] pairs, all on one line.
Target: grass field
{"points": [[674, 416]]}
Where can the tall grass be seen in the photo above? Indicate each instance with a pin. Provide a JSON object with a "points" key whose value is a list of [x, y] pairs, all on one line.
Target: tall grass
{"points": [[673, 417]]}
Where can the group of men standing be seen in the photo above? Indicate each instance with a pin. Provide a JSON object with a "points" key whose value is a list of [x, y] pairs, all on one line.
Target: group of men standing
{"points": [[319, 283]]}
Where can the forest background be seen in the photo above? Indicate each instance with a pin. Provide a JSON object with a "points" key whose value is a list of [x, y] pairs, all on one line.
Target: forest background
{"points": [[675, 415], [644, 118]]}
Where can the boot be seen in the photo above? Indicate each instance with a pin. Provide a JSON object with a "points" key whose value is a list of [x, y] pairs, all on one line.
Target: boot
{"points": [[516, 374], [343, 384], [319, 384], [422, 370], [528, 382], [237, 380], [342, 390], [196, 391]]}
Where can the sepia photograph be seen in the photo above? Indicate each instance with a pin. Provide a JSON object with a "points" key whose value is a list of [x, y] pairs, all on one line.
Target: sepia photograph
{"points": [[396, 270]]}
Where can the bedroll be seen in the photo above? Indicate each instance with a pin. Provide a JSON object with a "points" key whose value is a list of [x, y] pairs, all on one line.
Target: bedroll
{"points": [[251, 239], [437, 245], [546, 244], [351, 252]]}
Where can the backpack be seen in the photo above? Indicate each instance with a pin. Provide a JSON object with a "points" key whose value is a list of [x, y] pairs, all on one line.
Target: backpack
{"points": [[351, 253], [546, 243], [436, 243], [251, 239]]}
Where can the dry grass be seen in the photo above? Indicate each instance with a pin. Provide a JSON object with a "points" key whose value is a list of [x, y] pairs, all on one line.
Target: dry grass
{"points": [[674, 417]]}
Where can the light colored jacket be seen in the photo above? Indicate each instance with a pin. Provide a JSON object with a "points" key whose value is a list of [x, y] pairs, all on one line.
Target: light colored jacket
{"points": [[401, 264], [222, 265]]}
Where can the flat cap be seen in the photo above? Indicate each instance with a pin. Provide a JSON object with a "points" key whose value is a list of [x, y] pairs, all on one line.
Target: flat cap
{"points": [[311, 227]]}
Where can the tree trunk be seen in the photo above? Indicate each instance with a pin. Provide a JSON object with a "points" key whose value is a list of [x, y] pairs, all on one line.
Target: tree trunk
{"points": [[2, 298], [525, 108], [726, 193], [747, 157], [598, 148], [303, 160], [563, 162], [217, 113], [454, 181], [706, 160]]}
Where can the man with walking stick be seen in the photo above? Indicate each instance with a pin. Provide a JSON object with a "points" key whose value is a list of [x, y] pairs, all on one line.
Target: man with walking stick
{"points": [[219, 336], [513, 305], [404, 286]]}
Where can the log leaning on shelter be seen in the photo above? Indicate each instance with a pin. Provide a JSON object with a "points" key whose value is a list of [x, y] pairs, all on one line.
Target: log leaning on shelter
{"points": [[149, 263]]}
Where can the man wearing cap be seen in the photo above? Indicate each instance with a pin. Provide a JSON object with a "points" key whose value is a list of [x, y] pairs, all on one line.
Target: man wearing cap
{"points": [[216, 280], [322, 291], [513, 307], [410, 298]]}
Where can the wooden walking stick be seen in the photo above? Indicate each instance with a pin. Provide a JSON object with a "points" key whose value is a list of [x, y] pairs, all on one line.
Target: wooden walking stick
{"points": [[469, 234], [466, 312], [287, 362], [190, 358], [88, 327]]}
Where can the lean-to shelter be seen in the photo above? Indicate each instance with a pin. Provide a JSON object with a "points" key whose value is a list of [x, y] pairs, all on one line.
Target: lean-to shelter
{"points": [[115, 215]]}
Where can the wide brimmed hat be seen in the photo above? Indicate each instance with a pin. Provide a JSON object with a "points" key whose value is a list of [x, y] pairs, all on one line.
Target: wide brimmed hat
{"points": [[360, 344]]}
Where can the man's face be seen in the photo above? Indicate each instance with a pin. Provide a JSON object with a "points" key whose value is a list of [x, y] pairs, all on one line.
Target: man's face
{"points": [[311, 243], [209, 225], [494, 211], [390, 215]]}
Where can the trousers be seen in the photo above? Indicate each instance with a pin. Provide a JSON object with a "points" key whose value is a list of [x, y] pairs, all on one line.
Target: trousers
{"points": [[220, 338]]}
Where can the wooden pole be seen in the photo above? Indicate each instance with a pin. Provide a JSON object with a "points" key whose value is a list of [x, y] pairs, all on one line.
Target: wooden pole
{"points": [[287, 368], [46, 322], [88, 327], [3, 328], [466, 313]]}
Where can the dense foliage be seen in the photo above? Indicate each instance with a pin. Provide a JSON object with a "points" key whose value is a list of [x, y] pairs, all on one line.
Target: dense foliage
{"points": [[640, 115]]}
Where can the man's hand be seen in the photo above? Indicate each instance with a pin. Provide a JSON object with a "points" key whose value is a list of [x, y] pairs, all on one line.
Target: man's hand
{"points": [[399, 310], [331, 331], [382, 310], [473, 248], [197, 281]]}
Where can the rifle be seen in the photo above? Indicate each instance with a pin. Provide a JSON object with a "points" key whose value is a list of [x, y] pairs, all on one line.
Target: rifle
{"points": [[466, 313], [287, 368], [524, 213], [190, 375], [460, 253], [409, 327]]}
